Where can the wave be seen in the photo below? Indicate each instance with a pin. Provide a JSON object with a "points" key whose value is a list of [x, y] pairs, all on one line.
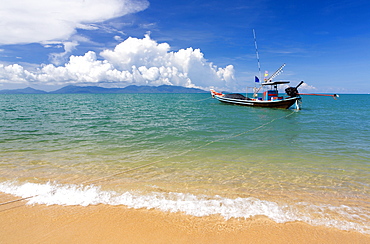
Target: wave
{"points": [[52, 193]]}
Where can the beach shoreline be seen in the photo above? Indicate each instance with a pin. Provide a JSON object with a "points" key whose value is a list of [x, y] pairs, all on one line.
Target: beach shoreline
{"points": [[22, 223]]}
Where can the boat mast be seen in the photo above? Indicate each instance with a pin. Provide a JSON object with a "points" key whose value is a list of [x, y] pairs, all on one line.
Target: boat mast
{"points": [[258, 58], [258, 63]]}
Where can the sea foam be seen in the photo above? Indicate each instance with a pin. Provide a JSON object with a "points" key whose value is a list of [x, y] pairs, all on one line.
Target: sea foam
{"points": [[70, 194]]}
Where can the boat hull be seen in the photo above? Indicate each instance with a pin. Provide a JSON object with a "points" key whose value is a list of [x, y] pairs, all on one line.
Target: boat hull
{"points": [[285, 103]]}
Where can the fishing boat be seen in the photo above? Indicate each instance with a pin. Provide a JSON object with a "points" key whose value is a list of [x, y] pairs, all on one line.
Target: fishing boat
{"points": [[270, 98]]}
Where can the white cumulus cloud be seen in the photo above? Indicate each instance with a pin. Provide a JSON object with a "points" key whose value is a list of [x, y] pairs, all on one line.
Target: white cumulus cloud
{"points": [[37, 21], [132, 62]]}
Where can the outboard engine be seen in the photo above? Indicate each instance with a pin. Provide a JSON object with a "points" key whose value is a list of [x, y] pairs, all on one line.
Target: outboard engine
{"points": [[293, 91]]}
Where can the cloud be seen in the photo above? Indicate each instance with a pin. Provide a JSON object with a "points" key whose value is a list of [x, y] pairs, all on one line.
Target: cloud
{"points": [[306, 87], [36, 21], [303, 87], [14, 73], [60, 58], [132, 62]]}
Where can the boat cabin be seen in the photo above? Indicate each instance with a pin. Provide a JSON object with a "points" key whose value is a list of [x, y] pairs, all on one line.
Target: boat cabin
{"points": [[273, 94]]}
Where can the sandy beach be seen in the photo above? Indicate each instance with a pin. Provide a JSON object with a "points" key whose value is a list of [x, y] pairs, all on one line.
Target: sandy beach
{"points": [[20, 223]]}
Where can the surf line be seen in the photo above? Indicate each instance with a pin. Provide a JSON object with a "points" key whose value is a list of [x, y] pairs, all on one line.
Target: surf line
{"points": [[106, 178]]}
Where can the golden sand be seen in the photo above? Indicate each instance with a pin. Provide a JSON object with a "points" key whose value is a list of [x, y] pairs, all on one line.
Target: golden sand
{"points": [[20, 223]]}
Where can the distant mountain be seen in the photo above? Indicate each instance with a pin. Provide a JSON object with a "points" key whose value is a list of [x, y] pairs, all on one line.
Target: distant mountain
{"points": [[81, 89], [98, 90], [27, 90]]}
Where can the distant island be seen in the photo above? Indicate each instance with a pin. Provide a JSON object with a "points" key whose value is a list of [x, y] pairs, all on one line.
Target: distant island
{"points": [[99, 90]]}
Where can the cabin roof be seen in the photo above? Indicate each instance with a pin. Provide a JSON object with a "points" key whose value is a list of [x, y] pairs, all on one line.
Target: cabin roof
{"points": [[271, 83]]}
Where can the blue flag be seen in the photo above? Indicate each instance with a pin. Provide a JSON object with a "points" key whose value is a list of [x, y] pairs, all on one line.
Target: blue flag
{"points": [[256, 79]]}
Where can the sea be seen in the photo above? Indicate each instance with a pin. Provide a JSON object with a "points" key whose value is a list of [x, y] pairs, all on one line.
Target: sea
{"points": [[191, 154]]}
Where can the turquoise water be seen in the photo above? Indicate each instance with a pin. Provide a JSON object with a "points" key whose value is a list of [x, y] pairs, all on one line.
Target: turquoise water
{"points": [[202, 157]]}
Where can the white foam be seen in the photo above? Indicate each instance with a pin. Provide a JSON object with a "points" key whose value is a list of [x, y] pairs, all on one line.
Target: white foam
{"points": [[53, 193]]}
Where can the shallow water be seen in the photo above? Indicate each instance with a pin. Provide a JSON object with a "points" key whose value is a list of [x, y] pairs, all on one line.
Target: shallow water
{"points": [[203, 157]]}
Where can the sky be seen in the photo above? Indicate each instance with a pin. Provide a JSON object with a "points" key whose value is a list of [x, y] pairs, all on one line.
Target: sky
{"points": [[49, 44]]}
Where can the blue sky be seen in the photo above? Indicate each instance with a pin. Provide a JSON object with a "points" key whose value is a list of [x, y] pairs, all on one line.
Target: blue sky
{"points": [[47, 44]]}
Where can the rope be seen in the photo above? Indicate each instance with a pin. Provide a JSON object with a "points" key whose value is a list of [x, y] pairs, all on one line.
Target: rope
{"points": [[202, 99], [21, 199], [105, 178]]}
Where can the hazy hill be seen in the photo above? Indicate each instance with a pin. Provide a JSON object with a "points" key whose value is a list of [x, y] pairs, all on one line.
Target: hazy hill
{"points": [[27, 90], [98, 90]]}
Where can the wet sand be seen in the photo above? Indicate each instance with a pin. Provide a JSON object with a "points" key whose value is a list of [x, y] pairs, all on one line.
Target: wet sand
{"points": [[20, 223]]}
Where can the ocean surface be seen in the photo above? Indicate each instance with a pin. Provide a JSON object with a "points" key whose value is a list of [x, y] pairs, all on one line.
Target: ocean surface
{"points": [[192, 154]]}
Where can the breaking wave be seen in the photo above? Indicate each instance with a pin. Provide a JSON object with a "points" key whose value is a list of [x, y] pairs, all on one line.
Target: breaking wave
{"points": [[70, 194]]}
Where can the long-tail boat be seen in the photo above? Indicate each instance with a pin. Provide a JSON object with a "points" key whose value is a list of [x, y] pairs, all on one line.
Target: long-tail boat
{"points": [[270, 98]]}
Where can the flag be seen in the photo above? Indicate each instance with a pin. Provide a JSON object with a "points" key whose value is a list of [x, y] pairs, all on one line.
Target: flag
{"points": [[266, 74], [256, 79]]}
